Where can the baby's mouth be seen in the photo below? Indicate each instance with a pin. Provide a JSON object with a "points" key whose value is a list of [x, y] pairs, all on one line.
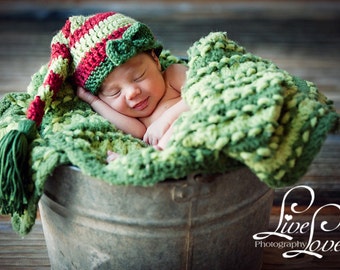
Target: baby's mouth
{"points": [[141, 105]]}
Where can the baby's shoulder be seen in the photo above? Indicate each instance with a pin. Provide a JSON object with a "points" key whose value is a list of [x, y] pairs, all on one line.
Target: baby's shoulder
{"points": [[175, 75], [176, 69]]}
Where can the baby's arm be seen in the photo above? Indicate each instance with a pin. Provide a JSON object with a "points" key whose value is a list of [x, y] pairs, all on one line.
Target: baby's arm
{"points": [[175, 77], [159, 128], [125, 123]]}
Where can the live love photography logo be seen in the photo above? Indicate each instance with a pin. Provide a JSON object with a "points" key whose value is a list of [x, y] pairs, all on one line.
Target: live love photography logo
{"points": [[289, 227]]}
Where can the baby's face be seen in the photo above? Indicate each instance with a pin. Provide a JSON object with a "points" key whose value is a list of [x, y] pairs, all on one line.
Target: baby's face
{"points": [[134, 88]]}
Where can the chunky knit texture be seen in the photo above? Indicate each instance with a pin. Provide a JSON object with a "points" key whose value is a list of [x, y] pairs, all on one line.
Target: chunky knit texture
{"points": [[244, 110]]}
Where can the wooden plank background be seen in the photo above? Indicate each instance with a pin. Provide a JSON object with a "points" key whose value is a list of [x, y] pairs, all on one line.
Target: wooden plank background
{"points": [[302, 37]]}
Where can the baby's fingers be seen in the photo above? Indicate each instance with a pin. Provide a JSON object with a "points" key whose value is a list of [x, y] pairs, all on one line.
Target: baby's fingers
{"points": [[85, 95], [111, 156], [150, 139]]}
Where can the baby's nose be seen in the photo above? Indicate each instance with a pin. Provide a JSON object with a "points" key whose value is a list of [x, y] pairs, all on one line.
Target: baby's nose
{"points": [[132, 92]]}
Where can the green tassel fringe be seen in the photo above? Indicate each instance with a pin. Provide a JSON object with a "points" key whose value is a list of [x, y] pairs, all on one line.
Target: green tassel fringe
{"points": [[13, 168]]}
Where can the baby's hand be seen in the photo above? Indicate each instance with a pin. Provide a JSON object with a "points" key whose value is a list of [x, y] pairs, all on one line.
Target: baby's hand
{"points": [[155, 132], [162, 143], [86, 96], [111, 156], [160, 138]]}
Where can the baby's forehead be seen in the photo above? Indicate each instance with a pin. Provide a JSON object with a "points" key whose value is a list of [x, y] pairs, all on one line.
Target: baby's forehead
{"points": [[135, 63], [126, 70]]}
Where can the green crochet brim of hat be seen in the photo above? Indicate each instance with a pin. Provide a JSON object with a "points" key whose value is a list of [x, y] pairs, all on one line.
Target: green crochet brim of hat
{"points": [[244, 111]]}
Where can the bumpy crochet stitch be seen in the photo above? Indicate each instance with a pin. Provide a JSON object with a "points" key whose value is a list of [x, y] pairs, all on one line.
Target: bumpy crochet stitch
{"points": [[244, 110]]}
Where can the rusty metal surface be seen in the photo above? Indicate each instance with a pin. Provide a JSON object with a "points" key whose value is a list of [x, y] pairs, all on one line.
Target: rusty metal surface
{"points": [[203, 222]]}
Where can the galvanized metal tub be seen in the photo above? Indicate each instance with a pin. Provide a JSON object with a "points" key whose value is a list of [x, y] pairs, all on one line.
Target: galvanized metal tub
{"points": [[202, 222]]}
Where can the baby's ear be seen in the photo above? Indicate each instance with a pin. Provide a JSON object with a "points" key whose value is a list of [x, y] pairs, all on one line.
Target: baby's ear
{"points": [[156, 59], [154, 56]]}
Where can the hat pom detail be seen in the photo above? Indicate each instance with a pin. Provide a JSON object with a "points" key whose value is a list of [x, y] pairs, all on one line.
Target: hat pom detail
{"points": [[13, 169]]}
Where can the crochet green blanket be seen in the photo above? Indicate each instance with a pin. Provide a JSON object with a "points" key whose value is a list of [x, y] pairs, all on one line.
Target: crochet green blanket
{"points": [[244, 111]]}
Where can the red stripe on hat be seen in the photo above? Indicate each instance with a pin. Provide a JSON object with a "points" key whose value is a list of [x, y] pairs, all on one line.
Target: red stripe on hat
{"points": [[95, 57], [59, 49], [87, 26], [55, 81], [66, 28], [36, 110]]}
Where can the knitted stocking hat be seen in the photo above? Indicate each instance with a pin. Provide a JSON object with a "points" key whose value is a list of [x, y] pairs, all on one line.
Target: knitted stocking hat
{"points": [[85, 50]]}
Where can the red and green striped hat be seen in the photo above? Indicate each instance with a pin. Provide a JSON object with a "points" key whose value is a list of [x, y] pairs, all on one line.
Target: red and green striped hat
{"points": [[88, 49], [85, 50]]}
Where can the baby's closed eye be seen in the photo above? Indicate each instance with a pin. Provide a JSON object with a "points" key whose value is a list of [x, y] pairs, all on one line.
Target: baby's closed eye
{"points": [[140, 77], [114, 92]]}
